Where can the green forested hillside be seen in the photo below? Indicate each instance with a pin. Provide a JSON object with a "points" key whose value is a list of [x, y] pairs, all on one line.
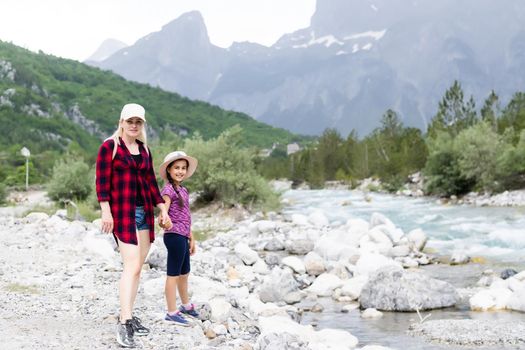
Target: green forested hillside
{"points": [[52, 105]]}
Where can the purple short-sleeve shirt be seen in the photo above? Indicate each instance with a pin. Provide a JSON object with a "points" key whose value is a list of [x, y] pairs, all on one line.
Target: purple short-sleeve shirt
{"points": [[180, 215]]}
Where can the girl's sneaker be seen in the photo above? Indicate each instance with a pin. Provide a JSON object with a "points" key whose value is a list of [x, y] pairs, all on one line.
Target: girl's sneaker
{"points": [[177, 318], [189, 311]]}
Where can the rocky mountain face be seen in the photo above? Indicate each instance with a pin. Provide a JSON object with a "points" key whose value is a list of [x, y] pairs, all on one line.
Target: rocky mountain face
{"points": [[356, 59], [178, 58]]}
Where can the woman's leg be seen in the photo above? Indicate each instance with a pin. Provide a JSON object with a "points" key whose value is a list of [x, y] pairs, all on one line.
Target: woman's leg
{"points": [[132, 258], [144, 246]]}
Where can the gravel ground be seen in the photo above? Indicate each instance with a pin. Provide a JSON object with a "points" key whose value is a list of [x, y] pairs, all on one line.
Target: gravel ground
{"points": [[472, 332], [56, 293]]}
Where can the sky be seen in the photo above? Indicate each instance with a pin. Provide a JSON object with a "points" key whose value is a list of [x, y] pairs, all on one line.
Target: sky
{"points": [[76, 28]]}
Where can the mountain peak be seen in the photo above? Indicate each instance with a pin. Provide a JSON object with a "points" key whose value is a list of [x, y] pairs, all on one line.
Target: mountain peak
{"points": [[188, 27], [192, 18], [106, 49]]}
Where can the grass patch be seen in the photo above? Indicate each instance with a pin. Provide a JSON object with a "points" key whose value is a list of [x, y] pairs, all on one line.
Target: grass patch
{"points": [[82, 210], [202, 235], [428, 250], [41, 208], [21, 289], [478, 260]]}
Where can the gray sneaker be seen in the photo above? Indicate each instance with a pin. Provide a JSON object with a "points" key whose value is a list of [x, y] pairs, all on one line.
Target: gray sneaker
{"points": [[138, 327], [125, 334]]}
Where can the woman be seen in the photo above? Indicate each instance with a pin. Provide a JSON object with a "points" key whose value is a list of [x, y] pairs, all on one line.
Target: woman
{"points": [[127, 191]]}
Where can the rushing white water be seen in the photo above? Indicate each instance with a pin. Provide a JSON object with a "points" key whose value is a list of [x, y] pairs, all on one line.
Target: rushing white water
{"points": [[497, 233]]}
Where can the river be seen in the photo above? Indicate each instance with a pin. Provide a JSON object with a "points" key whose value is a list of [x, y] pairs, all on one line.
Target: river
{"points": [[495, 234]]}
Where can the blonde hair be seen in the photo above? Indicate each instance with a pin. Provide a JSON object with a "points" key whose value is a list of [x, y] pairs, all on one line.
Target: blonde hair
{"points": [[118, 134]]}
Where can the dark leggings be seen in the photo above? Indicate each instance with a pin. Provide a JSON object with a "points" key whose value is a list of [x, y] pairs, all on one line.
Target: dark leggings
{"points": [[178, 254]]}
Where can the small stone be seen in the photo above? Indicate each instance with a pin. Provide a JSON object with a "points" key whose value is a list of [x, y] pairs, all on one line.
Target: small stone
{"points": [[349, 307], [293, 297], [232, 273], [371, 313], [219, 329], [508, 273], [317, 308], [210, 333], [272, 259], [459, 259]]}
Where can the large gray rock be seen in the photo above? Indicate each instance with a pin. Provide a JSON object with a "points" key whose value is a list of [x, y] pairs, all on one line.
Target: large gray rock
{"points": [[277, 284], [158, 256], [418, 238], [299, 246], [274, 245], [517, 301], [394, 289], [248, 255]]}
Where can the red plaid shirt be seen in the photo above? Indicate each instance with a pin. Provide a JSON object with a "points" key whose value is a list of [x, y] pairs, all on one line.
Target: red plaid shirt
{"points": [[117, 184]]}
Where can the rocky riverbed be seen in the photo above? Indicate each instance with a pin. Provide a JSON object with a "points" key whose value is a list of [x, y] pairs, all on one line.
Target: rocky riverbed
{"points": [[254, 279], [414, 188]]}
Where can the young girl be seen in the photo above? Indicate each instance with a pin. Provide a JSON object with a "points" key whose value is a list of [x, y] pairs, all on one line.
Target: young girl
{"points": [[177, 166]]}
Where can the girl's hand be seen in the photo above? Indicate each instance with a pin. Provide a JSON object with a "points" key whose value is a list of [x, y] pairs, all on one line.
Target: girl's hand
{"points": [[107, 221], [192, 245], [164, 220]]}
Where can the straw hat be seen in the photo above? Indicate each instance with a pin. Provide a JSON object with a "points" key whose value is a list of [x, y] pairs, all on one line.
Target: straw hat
{"points": [[173, 156]]}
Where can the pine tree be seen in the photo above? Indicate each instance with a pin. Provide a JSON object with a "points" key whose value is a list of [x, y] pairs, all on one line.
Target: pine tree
{"points": [[454, 114], [330, 153], [391, 125], [491, 110], [513, 116]]}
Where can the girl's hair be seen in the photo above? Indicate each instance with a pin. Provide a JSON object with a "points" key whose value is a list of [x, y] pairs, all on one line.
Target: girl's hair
{"points": [[172, 182], [118, 134]]}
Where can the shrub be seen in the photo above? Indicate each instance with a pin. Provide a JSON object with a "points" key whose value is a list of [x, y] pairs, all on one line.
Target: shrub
{"points": [[16, 176], [71, 180], [3, 194], [442, 173], [226, 172], [478, 148], [394, 183], [511, 164]]}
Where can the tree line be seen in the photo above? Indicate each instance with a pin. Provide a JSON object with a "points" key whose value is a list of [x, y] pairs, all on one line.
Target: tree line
{"points": [[462, 150]]}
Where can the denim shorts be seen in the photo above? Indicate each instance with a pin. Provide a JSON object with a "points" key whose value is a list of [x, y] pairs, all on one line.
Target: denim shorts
{"points": [[140, 219]]}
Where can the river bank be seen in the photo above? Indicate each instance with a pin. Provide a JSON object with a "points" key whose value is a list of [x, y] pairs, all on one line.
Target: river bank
{"points": [[263, 281], [414, 188]]}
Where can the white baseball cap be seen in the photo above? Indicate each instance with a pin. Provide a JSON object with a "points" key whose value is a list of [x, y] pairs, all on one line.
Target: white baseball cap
{"points": [[131, 110]]}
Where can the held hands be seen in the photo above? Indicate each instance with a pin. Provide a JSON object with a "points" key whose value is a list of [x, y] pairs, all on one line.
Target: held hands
{"points": [[164, 220]]}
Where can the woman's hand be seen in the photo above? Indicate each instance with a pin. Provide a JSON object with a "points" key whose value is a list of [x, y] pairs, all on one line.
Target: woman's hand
{"points": [[192, 244], [107, 221]]}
